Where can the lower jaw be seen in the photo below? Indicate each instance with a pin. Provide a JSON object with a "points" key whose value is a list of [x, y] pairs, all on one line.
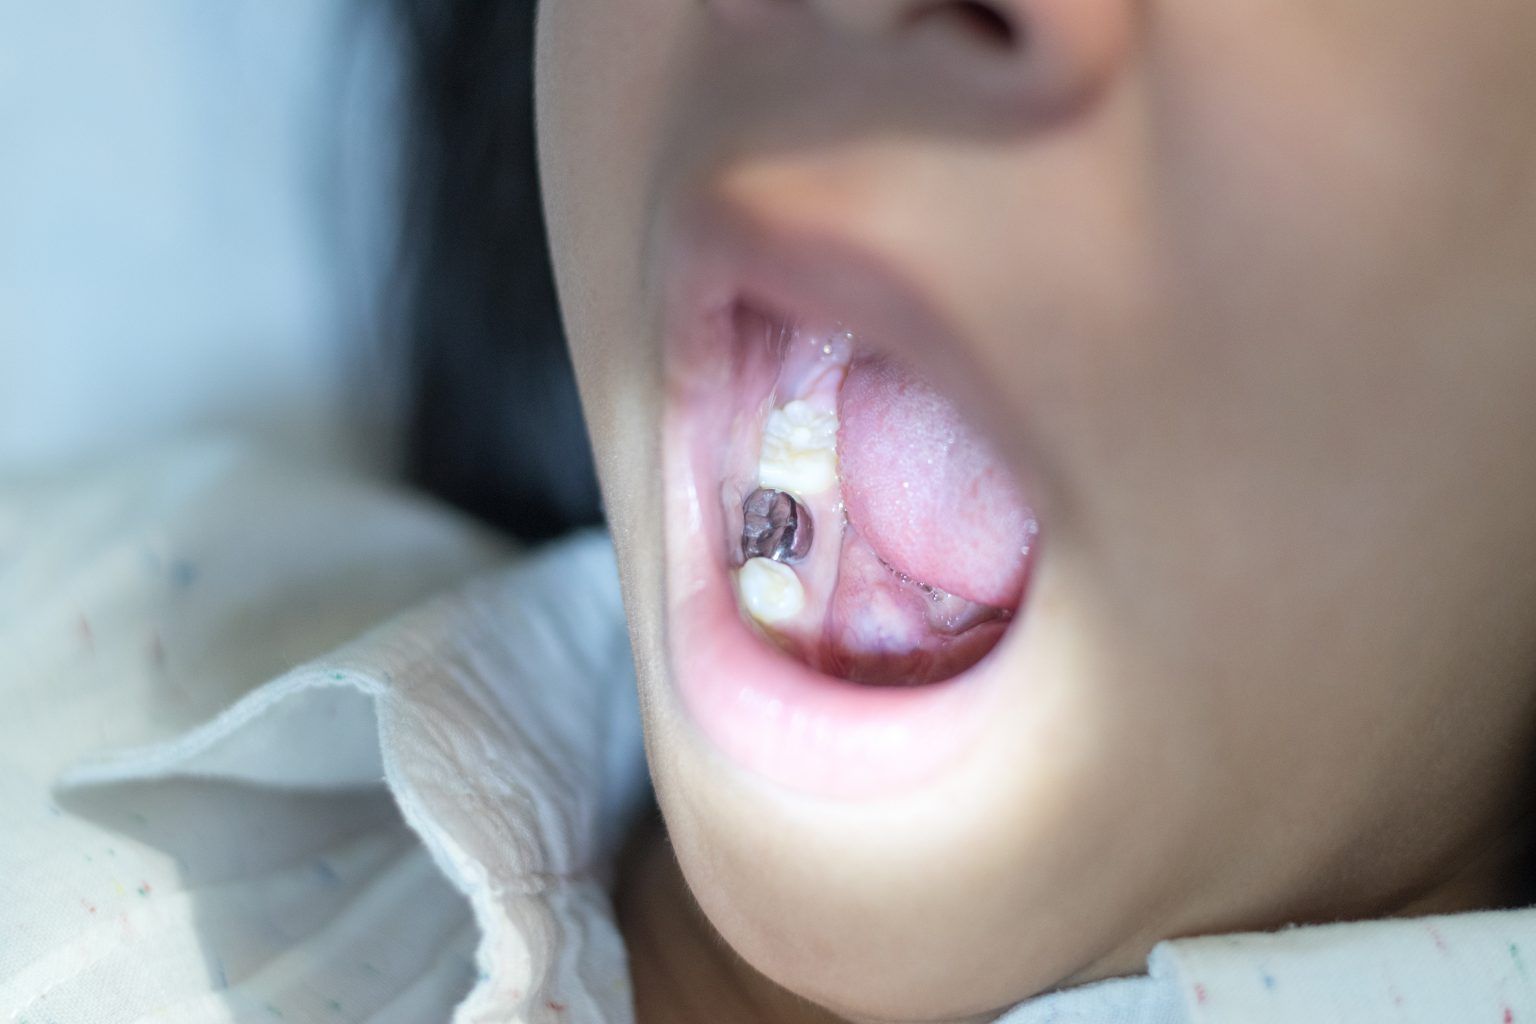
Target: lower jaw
{"points": [[768, 714]]}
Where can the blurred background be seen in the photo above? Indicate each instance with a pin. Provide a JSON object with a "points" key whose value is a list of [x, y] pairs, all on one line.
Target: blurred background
{"points": [[312, 223]]}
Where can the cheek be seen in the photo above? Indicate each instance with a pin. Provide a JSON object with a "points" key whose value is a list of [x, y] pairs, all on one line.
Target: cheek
{"points": [[571, 89], [1299, 494], [1287, 440], [602, 76], [1331, 222]]}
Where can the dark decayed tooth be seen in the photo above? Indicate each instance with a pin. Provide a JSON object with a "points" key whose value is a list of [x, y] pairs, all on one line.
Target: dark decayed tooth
{"points": [[775, 526]]}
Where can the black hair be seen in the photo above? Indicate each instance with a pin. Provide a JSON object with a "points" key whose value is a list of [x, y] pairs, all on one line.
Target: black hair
{"points": [[492, 420]]}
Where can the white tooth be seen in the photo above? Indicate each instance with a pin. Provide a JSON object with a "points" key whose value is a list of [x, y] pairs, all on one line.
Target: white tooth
{"points": [[799, 449], [770, 590]]}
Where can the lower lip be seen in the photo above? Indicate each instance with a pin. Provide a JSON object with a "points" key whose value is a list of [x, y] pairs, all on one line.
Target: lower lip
{"points": [[773, 716]]}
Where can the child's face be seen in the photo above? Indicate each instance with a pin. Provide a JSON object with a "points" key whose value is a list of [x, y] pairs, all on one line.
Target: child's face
{"points": [[1243, 297]]}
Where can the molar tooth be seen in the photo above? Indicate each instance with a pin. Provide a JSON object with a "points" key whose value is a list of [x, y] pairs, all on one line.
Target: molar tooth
{"points": [[770, 590], [799, 449], [776, 526]]}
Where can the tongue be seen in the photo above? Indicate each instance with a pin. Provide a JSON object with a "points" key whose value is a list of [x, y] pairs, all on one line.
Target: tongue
{"points": [[928, 493]]}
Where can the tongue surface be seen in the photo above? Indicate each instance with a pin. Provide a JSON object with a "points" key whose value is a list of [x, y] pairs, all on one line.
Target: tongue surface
{"points": [[927, 492]]}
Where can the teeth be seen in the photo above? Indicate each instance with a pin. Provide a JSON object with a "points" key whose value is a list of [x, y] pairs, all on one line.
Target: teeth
{"points": [[799, 449], [770, 591], [775, 526]]}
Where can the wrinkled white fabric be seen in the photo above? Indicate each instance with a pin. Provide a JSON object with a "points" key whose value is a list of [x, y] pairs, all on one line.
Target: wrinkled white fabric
{"points": [[498, 716], [293, 786], [1446, 969], [412, 820]]}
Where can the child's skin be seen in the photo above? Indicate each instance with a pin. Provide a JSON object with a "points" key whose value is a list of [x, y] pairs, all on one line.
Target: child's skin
{"points": [[1245, 292]]}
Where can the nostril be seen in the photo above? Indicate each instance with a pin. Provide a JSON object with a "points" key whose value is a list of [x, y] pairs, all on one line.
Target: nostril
{"points": [[976, 20]]}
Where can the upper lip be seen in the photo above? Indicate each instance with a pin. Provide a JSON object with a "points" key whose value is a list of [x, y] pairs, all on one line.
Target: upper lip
{"points": [[722, 254]]}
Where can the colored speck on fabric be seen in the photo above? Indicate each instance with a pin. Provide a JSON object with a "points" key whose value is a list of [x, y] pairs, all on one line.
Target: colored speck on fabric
{"points": [[1199, 994], [326, 874], [1269, 981]]}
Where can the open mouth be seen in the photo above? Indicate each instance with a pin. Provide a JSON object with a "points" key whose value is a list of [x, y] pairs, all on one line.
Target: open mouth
{"points": [[844, 551], [869, 533]]}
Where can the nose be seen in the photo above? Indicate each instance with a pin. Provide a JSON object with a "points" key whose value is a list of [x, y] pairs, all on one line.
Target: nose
{"points": [[975, 25], [1048, 52]]}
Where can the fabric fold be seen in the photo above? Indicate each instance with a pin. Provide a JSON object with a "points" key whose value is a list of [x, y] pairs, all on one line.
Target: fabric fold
{"points": [[413, 824], [501, 718]]}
